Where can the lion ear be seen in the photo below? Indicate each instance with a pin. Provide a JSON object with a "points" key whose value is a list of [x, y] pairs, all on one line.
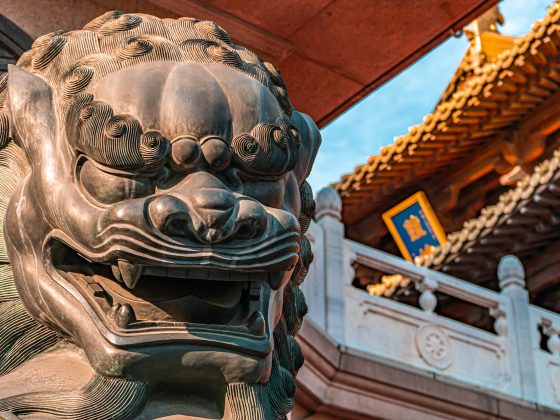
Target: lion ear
{"points": [[33, 118], [310, 142]]}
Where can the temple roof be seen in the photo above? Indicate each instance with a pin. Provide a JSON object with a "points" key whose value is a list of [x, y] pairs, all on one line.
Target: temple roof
{"points": [[486, 44], [496, 95], [525, 219]]}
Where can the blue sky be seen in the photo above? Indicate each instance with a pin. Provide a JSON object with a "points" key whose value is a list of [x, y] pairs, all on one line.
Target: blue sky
{"points": [[402, 102]]}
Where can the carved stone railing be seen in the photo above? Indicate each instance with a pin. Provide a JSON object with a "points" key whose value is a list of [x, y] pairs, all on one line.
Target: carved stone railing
{"points": [[519, 358]]}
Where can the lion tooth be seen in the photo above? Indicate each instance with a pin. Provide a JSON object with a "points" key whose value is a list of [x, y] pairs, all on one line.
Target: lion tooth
{"points": [[256, 324], [116, 273], [124, 316], [130, 273], [275, 279], [112, 313]]}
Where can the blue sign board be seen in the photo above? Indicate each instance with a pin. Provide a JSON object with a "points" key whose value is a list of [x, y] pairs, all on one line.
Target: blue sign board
{"points": [[414, 226]]}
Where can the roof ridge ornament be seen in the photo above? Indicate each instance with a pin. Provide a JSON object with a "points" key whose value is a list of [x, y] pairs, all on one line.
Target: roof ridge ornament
{"points": [[486, 22]]}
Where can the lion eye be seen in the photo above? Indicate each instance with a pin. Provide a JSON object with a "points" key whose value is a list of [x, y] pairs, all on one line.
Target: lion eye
{"points": [[108, 188]]}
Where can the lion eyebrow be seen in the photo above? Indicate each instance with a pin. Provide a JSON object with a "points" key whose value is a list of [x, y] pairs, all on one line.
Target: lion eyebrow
{"points": [[114, 140]]}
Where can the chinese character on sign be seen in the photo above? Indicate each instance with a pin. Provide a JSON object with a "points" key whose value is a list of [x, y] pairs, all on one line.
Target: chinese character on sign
{"points": [[428, 249], [415, 227]]}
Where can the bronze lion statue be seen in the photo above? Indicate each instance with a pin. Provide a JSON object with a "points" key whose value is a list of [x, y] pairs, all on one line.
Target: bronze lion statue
{"points": [[154, 205]]}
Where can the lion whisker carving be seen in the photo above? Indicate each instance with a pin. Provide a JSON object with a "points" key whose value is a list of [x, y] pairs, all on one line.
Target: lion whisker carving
{"points": [[154, 206]]}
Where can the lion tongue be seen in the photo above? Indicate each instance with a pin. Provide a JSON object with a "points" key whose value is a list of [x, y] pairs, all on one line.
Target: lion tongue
{"points": [[129, 273]]}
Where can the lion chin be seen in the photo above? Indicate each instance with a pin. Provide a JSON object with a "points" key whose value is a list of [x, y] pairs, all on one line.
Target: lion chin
{"points": [[154, 213]]}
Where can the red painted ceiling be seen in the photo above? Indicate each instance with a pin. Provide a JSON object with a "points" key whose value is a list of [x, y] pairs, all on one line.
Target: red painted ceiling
{"points": [[334, 52]]}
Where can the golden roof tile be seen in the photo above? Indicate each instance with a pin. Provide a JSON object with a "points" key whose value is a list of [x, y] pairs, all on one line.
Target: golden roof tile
{"points": [[494, 96]]}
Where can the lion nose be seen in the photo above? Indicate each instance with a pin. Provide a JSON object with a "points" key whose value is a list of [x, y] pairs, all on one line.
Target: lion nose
{"points": [[203, 208], [209, 215], [216, 210]]}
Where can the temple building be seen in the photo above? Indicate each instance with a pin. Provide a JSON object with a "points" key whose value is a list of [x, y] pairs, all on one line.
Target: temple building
{"points": [[468, 327], [495, 124]]}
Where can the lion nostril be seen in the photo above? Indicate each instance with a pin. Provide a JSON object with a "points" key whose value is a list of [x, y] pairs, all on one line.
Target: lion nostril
{"points": [[252, 219], [176, 227], [245, 232], [169, 215]]}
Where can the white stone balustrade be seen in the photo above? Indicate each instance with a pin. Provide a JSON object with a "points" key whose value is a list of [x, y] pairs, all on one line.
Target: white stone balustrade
{"points": [[509, 361]]}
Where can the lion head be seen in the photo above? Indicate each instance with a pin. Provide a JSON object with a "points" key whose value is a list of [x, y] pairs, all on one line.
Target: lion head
{"points": [[159, 207]]}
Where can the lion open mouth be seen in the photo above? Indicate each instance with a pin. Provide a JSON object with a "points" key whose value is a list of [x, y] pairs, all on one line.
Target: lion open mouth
{"points": [[135, 299]]}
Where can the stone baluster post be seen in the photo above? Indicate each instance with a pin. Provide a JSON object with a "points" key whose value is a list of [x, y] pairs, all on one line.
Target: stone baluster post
{"points": [[511, 276], [328, 216], [428, 300], [553, 342]]}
